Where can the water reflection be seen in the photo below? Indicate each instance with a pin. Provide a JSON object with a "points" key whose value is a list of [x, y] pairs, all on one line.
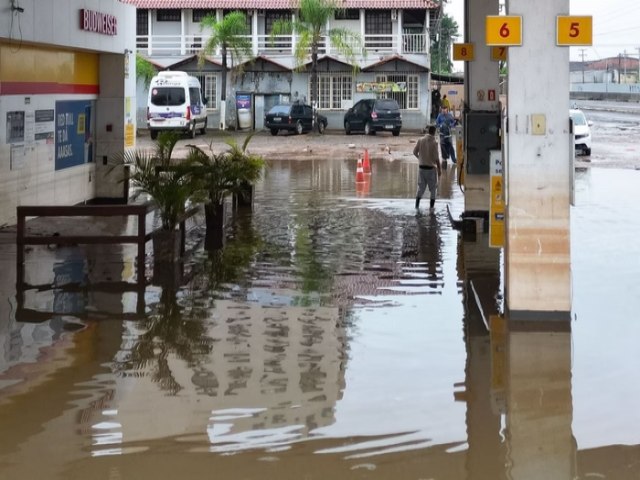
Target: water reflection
{"points": [[334, 336], [538, 434]]}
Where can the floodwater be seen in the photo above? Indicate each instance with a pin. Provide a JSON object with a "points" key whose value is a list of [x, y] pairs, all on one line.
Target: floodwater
{"points": [[337, 335]]}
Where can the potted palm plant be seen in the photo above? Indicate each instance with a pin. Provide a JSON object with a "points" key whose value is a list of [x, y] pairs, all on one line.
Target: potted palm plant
{"points": [[217, 175], [168, 185]]}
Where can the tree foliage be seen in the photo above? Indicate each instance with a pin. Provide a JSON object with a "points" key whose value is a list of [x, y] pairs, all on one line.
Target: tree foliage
{"points": [[145, 70], [231, 35], [441, 47]]}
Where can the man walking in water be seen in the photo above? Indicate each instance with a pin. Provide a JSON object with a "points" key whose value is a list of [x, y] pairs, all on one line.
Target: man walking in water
{"points": [[426, 150], [445, 122]]}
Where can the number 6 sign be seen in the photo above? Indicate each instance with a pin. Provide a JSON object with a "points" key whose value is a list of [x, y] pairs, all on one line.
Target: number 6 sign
{"points": [[503, 30]]}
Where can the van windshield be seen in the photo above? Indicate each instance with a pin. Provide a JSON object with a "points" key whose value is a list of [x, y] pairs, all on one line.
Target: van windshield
{"points": [[167, 96]]}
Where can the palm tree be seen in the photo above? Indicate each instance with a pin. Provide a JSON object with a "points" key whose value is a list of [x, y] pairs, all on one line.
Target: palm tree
{"points": [[169, 185], [309, 26], [230, 35], [215, 176]]}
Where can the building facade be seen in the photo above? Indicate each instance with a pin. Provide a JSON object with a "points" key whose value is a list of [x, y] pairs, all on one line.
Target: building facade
{"points": [[67, 100], [395, 35]]}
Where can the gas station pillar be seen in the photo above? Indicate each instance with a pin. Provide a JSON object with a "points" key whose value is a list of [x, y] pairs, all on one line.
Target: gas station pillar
{"points": [[539, 167], [482, 118]]}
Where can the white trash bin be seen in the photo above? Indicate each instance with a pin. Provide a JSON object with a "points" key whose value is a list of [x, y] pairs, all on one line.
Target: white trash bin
{"points": [[244, 118]]}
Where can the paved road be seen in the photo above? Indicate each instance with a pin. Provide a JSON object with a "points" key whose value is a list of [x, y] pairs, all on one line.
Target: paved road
{"points": [[608, 106], [615, 132]]}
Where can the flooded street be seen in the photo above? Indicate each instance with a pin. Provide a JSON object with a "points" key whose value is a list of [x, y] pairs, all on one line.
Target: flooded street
{"points": [[338, 335], [615, 132]]}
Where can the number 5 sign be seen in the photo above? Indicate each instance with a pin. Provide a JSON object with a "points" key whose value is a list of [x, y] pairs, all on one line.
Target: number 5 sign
{"points": [[574, 30], [503, 30]]}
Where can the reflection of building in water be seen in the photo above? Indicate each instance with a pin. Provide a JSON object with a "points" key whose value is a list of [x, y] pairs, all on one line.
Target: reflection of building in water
{"points": [[270, 367]]}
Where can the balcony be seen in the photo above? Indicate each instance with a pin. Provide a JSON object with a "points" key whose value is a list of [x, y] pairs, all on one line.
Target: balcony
{"points": [[281, 45]]}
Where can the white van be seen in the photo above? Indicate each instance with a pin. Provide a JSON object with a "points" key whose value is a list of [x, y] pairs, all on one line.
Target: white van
{"points": [[176, 103]]}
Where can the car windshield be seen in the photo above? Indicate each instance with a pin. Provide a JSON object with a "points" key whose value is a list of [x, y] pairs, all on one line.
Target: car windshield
{"points": [[578, 118], [280, 110]]}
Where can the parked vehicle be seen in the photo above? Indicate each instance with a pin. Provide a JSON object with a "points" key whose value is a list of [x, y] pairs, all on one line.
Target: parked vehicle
{"points": [[581, 131], [176, 103], [374, 115], [296, 117]]}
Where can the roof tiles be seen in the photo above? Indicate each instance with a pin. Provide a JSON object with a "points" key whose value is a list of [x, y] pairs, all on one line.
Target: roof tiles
{"points": [[278, 4]]}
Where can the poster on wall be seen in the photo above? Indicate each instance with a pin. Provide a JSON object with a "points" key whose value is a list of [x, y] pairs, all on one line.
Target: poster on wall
{"points": [[73, 133], [15, 127], [44, 125]]}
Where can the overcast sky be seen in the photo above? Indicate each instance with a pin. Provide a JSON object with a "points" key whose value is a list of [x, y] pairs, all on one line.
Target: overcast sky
{"points": [[616, 26]]}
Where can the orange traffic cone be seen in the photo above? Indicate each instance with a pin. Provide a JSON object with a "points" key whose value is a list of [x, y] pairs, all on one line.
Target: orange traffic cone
{"points": [[359, 172], [363, 188], [366, 165]]}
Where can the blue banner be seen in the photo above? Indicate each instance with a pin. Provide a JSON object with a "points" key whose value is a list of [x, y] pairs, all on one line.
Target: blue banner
{"points": [[73, 133]]}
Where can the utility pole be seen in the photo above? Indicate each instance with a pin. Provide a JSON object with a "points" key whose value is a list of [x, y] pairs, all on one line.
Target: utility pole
{"points": [[638, 79], [625, 66], [582, 50], [619, 66]]}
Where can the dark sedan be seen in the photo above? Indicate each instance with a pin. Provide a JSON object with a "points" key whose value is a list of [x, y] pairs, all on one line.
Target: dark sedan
{"points": [[296, 118], [374, 115]]}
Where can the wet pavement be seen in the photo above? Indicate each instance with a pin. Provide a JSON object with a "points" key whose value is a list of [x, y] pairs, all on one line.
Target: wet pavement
{"points": [[337, 335]]}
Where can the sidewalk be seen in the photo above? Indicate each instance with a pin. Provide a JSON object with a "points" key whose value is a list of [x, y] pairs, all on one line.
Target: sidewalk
{"points": [[334, 144]]}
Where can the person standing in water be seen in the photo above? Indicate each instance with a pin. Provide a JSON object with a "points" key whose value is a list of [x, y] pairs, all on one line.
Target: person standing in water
{"points": [[426, 150]]}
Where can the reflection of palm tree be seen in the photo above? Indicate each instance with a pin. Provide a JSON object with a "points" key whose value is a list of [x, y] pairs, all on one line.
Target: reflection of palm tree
{"points": [[170, 330], [228, 265]]}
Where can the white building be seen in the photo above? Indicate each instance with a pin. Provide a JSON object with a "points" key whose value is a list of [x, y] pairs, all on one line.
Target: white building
{"points": [[396, 36]]}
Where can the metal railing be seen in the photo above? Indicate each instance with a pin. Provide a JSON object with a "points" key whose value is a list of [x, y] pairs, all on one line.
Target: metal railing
{"points": [[279, 45]]}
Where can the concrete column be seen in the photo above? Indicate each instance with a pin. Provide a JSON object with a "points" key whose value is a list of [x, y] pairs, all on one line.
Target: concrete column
{"points": [[538, 167], [150, 30], [327, 27], [183, 32], [293, 36], [254, 32], [399, 47], [482, 75]]}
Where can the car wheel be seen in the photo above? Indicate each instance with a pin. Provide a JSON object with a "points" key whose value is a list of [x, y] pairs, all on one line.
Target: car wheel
{"points": [[347, 128], [321, 127], [587, 151], [153, 134], [192, 131], [299, 127], [368, 130], [274, 131], [396, 132], [203, 130]]}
